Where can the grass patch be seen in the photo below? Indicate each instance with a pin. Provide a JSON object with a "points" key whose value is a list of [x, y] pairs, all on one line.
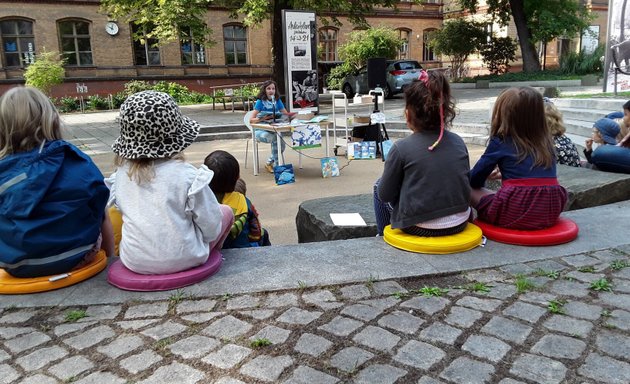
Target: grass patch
{"points": [[621, 95], [601, 285], [524, 76], [586, 269], [162, 343], [302, 285], [523, 284], [544, 273], [400, 295], [74, 316], [477, 287], [226, 296], [432, 291], [370, 281], [619, 264], [260, 342], [556, 306]]}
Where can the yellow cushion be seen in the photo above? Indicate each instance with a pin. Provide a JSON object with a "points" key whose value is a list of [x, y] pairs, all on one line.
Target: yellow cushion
{"points": [[18, 285], [469, 238]]}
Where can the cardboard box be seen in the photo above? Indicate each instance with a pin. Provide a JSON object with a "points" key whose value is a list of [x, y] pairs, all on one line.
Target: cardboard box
{"points": [[361, 119]]}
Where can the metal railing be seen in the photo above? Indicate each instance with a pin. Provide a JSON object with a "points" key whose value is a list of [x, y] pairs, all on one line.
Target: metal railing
{"points": [[226, 93]]}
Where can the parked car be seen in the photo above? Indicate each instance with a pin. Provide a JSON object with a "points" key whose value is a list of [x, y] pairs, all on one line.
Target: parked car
{"points": [[399, 74]]}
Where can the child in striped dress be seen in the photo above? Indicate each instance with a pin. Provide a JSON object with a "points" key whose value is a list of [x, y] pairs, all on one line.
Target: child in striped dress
{"points": [[522, 149]]}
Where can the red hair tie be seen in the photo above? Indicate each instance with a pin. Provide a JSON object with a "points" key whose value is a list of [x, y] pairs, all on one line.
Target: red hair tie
{"points": [[424, 77]]}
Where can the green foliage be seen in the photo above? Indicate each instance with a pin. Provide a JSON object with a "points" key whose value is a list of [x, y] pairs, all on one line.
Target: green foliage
{"points": [[370, 43], [400, 295], [118, 99], [335, 77], [619, 264], [556, 306], [523, 284], [498, 53], [68, 104], [550, 274], [477, 287], [432, 291], [260, 342], [458, 39], [177, 91], [582, 63], [97, 102], [136, 86], [587, 269], [601, 285], [46, 72], [523, 76], [75, 315]]}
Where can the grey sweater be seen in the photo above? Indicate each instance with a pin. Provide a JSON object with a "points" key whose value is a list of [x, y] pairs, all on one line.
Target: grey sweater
{"points": [[423, 185]]}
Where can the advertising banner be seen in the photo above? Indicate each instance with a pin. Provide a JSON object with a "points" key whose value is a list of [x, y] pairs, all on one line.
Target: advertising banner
{"points": [[617, 42]]}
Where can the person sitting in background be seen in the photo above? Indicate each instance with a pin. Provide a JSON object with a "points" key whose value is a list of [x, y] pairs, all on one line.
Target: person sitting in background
{"points": [[623, 119], [605, 131], [566, 151]]}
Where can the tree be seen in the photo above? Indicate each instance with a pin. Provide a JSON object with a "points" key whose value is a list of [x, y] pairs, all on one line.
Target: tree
{"points": [[45, 72], [498, 53], [366, 44], [458, 38], [169, 17], [536, 21]]}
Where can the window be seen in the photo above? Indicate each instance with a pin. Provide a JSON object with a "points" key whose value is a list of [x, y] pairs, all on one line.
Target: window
{"points": [[328, 44], [235, 44], [427, 51], [146, 50], [18, 42], [192, 53], [75, 42], [403, 52]]}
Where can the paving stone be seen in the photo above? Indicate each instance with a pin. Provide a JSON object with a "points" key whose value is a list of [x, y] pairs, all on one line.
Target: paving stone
{"points": [[156, 309], [299, 316], [619, 319], [40, 357], [136, 324], [517, 269], [538, 369], [17, 316], [401, 322], [191, 306], [121, 345], [621, 301], [506, 329], [584, 277], [259, 314], [308, 375], [510, 381], [140, 362], [4, 356], [321, 298], [7, 333], [174, 373], [486, 305], [466, 370], [501, 291], [240, 302], [463, 317], [380, 373], [568, 325], [28, 341], [580, 260], [7, 374], [486, 347], [281, 300], [440, 332], [621, 286], [486, 276], [623, 273], [228, 380], [350, 358], [614, 344], [429, 380], [164, 330], [608, 255], [569, 288], [203, 317], [71, 367], [539, 281], [382, 303], [193, 347], [227, 327], [312, 344], [266, 368], [541, 298], [38, 379], [272, 333], [561, 347], [582, 310], [377, 338], [546, 265], [382, 288], [428, 305], [605, 369], [528, 312], [101, 377], [101, 312], [419, 355], [355, 292], [361, 311], [64, 329], [228, 356]]}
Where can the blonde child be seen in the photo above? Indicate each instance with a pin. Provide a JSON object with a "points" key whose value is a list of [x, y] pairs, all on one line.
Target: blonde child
{"points": [[424, 189], [521, 147], [171, 219], [566, 151], [52, 196]]}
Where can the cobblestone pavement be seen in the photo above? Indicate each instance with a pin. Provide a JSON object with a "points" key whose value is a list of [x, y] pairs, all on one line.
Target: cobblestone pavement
{"points": [[564, 320]]}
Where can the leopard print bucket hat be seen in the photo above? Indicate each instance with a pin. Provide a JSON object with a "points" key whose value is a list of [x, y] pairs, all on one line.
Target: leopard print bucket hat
{"points": [[153, 127]]}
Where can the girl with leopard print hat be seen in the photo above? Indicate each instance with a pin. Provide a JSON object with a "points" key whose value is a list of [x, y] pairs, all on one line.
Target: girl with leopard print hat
{"points": [[170, 217]]}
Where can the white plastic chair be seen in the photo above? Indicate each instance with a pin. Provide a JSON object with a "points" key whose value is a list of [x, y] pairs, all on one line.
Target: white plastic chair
{"points": [[248, 124]]}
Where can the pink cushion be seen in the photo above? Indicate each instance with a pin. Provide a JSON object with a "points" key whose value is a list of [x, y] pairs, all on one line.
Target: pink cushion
{"points": [[119, 276], [564, 231]]}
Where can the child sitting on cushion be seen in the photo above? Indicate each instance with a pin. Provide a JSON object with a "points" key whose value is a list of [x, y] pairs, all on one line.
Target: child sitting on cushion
{"points": [[229, 189]]}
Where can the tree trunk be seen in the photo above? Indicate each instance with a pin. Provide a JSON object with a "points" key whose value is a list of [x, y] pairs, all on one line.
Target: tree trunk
{"points": [[528, 50], [277, 44]]}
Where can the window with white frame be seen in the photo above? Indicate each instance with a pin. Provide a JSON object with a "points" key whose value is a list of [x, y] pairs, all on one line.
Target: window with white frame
{"points": [[145, 50], [427, 52], [18, 42], [328, 44], [403, 51], [235, 44], [192, 53], [76, 48]]}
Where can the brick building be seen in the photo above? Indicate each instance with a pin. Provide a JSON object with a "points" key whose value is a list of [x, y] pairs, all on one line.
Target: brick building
{"points": [[101, 55]]}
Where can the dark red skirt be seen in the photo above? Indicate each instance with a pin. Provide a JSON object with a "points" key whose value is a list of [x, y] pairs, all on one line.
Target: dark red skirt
{"points": [[526, 204]]}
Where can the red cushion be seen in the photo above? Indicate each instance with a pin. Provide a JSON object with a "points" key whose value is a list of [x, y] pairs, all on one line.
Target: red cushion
{"points": [[119, 276], [564, 231]]}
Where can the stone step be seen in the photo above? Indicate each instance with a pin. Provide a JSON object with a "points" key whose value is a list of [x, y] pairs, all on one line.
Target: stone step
{"points": [[579, 127], [583, 114], [603, 104]]}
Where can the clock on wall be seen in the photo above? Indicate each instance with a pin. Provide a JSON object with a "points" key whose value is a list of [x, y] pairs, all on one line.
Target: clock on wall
{"points": [[111, 28]]}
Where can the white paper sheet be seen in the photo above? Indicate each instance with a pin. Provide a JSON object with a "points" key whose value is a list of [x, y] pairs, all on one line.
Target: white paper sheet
{"points": [[347, 219]]}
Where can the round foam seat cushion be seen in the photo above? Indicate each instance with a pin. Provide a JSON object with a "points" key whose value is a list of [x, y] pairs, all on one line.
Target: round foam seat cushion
{"points": [[564, 231], [120, 276], [468, 239], [19, 285]]}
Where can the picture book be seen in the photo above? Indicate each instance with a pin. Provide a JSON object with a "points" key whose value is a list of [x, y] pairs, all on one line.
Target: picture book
{"points": [[284, 174], [362, 150], [306, 136], [330, 167]]}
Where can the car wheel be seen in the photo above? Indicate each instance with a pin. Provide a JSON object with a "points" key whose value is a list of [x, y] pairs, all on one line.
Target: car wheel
{"points": [[387, 92], [347, 89]]}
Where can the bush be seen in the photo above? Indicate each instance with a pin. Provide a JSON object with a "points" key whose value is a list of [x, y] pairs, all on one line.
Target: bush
{"points": [[336, 76], [68, 104], [498, 53], [118, 99], [581, 63], [136, 86], [45, 72], [197, 98], [97, 103], [177, 91]]}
